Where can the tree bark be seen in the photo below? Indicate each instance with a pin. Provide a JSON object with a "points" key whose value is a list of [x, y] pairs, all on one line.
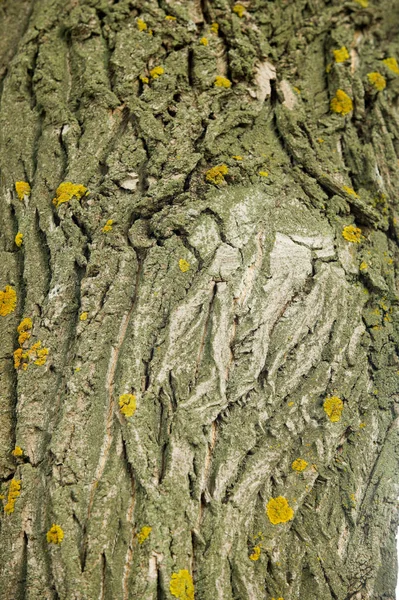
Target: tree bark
{"points": [[226, 260]]}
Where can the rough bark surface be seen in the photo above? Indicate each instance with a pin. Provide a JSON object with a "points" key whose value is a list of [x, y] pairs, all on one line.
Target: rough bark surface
{"points": [[230, 357]]}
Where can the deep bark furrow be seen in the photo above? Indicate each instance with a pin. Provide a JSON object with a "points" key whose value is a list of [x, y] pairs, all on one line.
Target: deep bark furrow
{"points": [[230, 305]]}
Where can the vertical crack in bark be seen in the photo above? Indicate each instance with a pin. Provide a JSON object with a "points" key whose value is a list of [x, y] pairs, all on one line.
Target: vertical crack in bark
{"points": [[129, 519], [109, 386]]}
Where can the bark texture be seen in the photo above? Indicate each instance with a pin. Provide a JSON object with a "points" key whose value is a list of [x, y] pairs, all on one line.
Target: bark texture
{"points": [[230, 354]]}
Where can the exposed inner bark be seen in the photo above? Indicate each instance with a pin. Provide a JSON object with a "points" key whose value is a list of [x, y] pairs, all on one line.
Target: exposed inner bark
{"points": [[230, 303]]}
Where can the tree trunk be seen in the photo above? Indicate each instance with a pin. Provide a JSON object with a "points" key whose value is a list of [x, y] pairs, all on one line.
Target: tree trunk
{"points": [[206, 292]]}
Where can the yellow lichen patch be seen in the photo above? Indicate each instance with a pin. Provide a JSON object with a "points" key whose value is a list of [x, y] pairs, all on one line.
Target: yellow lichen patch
{"points": [[377, 80], [392, 65], [127, 404], [141, 25], [352, 234], [144, 78], [362, 425], [13, 493], [328, 67], [181, 585], [17, 451], [263, 173], [291, 403], [157, 72], [333, 406], [221, 81], [279, 511], [8, 301], [108, 226], [18, 355], [143, 534], [299, 464], [215, 27], [363, 266], [363, 3], [19, 238], [23, 189], [67, 190], [350, 191], [83, 316], [341, 103], [38, 354], [237, 157], [204, 41], [256, 550], [239, 9], [55, 535], [341, 55], [24, 330], [184, 266], [216, 174], [170, 18]]}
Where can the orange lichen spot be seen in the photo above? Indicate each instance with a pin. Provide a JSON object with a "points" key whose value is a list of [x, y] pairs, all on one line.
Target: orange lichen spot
{"points": [[341, 55], [55, 535], [204, 41], [184, 266], [141, 25], [333, 407], [127, 404], [67, 190], [363, 266], [83, 316], [8, 301], [221, 81], [352, 234], [377, 80], [18, 355], [299, 464], [19, 239], [144, 79], [24, 330], [157, 72], [143, 534], [263, 173], [108, 226], [17, 451], [170, 18], [13, 493], [38, 354], [237, 157], [350, 191], [341, 103], [23, 189], [239, 9], [215, 27], [216, 174], [392, 65], [256, 550], [279, 511], [181, 585]]}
